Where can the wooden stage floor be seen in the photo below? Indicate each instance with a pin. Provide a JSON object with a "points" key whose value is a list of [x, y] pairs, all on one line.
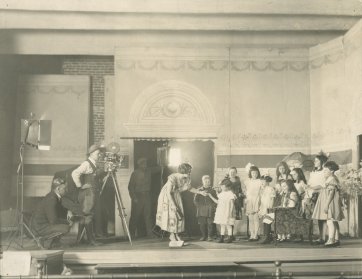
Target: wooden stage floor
{"points": [[251, 255]]}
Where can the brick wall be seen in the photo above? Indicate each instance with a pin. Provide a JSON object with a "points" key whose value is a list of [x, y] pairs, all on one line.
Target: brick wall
{"points": [[96, 68]]}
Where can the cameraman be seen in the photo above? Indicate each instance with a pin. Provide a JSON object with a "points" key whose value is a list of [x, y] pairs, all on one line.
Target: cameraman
{"points": [[86, 179], [139, 188]]}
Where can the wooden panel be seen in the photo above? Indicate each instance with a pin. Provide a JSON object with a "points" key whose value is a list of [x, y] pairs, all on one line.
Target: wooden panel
{"points": [[65, 101]]}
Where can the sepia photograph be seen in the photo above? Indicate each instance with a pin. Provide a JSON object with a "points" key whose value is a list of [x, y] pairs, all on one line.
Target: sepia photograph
{"points": [[181, 139]]}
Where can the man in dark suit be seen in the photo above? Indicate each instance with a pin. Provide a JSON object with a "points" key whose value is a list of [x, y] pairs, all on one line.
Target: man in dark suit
{"points": [[139, 188], [46, 219]]}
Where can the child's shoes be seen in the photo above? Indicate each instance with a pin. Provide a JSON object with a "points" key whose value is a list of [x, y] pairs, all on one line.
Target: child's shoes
{"points": [[229, 240], [221, 240]]}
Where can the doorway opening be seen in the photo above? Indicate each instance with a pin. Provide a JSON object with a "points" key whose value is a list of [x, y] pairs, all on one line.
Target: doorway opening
{"points": [[198, 153]]}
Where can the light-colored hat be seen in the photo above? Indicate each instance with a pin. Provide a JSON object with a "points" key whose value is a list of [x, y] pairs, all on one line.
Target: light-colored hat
{"points": [[141, 160], [94, 147]]}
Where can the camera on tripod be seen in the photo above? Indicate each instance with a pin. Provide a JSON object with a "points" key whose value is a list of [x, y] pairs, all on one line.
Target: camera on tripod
{"points": [[112, 161], [111, 158]]}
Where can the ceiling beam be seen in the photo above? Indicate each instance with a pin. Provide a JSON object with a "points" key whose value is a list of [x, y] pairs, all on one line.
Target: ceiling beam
{"points": [[50, 42], [291, 7], [217, 22]]}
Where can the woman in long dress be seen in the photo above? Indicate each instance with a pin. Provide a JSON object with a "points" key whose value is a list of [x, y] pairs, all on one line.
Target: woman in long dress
{"points": [[170, 212]]}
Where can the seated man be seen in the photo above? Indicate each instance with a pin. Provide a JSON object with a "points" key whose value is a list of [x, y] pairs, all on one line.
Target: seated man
{"points": [[46, 219]]}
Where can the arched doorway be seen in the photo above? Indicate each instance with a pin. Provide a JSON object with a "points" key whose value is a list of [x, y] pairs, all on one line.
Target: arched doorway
{"points": [[179, 115]]}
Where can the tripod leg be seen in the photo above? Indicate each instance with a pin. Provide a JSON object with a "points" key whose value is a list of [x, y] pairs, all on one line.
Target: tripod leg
{"points": [[122, 214], [104, 183]]}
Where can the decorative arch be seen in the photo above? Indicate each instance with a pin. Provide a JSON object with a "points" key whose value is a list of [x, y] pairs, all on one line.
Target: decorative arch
{"points": [[172, 108]]}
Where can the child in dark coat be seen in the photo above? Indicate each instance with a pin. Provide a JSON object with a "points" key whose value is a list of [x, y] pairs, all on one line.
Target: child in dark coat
{"points": [[205, 209]]}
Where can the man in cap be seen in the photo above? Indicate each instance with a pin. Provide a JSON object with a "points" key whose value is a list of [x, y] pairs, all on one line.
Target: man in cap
{"points": [[46, 220], [139, 188], [86, 180]]}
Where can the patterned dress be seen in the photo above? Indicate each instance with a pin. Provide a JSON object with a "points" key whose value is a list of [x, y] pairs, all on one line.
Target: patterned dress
{"points": [[311, 196], [335, 207], [167, 217]]}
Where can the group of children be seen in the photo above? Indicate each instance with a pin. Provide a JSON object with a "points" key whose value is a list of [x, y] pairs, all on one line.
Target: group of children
{"points": [[318, 199]]}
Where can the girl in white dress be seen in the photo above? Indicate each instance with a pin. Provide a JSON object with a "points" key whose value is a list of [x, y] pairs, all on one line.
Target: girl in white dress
{"points": [[266, 202], [267, 195], [252, 202], [225, 210], [317, 183]]}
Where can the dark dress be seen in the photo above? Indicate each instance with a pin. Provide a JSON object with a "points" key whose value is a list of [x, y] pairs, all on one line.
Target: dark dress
{"points": [[239, 201], [205, 206]]}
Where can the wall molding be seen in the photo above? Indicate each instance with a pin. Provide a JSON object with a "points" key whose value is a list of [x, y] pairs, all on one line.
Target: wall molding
{"points": [[267, 140], [221, 59], [236, 65], [172, 108], [223, 150]]}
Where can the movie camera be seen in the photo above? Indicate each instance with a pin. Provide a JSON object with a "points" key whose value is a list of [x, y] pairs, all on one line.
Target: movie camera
{"points": [[111, 159]]}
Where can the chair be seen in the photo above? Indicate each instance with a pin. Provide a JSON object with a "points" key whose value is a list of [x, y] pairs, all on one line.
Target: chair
{"points": [[33, 234], [288, 221]]}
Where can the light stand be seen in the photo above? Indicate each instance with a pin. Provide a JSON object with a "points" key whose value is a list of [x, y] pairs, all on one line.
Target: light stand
{"points": [[21, 225]]}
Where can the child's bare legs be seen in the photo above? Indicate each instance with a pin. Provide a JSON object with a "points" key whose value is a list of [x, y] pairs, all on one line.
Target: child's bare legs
{"points": [[331, 232], [254, 226], [251, 226], [229, 232], [321, 230], [222, 233], [336, 235], [281, 237]]}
